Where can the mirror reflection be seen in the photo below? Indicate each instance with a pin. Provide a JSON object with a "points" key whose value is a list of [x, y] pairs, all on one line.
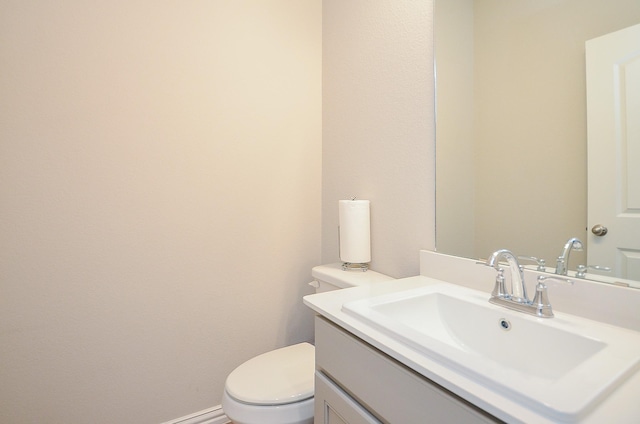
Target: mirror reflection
{"points": [[511, 125]]}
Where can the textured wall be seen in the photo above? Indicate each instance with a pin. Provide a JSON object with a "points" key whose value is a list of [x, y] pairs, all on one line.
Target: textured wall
{"points": [[160, 184], [378, 126]]}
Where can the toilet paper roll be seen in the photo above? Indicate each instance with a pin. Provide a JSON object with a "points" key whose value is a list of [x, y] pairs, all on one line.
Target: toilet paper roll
{"points": [[355, 239]]}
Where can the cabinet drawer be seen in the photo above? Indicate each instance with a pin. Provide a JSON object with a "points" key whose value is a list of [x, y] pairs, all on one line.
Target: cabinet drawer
{"points": [[334, 406], [386, 388]]}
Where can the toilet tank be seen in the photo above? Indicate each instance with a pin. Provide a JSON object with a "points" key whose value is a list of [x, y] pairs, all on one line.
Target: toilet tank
{"points": [[333, 277]]}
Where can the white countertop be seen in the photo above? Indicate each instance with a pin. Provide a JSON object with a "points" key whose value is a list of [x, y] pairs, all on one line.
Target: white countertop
{"points": [[621, 406]]}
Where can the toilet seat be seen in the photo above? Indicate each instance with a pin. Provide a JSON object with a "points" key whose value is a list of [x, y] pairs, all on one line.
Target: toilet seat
{"points": [[277, 377]]}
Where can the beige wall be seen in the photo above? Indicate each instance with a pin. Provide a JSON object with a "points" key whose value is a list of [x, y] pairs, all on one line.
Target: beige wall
{"points": [[160, 168], [378, 126], [161, 187]]}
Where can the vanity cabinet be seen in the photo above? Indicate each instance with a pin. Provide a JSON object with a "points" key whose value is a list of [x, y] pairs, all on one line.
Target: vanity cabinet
{"points": [[358, 384]]}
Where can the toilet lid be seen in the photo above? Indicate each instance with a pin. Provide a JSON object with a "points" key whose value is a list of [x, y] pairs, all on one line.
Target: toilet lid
{"points": [[281, 376]]}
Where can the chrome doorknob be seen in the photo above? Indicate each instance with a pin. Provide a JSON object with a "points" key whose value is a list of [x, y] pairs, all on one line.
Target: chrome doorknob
{"points": [[599, 230]]}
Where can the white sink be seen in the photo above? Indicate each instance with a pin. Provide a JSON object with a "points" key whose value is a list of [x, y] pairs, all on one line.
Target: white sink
{"points": [[560, 367]]}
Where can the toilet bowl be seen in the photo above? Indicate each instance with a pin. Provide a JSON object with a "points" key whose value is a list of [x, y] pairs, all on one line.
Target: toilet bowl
{"points": [[276, 387], [273, 388]]}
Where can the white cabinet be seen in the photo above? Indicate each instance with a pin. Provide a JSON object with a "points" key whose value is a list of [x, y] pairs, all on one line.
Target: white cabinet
{"points": [[356, 383]]}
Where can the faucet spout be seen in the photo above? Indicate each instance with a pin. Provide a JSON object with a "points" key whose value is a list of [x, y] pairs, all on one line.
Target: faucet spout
{"points": [[562, 265], [518, 289]]}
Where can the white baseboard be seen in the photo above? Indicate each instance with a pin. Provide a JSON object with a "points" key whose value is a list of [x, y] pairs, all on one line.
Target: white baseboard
{"points": [[213, 415]]}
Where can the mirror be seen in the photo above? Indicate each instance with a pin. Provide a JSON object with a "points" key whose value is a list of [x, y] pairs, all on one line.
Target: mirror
{"points": [[511, 131]]}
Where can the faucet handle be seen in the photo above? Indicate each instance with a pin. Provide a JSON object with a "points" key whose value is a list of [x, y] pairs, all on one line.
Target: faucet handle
{"points": [[541, 299], [542, 264], [581, 271], [500, 290]]}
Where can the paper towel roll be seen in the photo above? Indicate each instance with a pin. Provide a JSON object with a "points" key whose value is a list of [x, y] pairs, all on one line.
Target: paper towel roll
{"points": [[355, 239]]}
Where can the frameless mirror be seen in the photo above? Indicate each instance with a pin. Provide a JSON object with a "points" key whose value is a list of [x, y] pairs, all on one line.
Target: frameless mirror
{"points": [[511, 127]]}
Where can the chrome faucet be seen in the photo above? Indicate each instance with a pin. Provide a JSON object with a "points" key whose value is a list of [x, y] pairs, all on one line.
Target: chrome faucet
{"points": [[581, 270], [518, 299], [562, 265], [518, 289], [541, 263]]}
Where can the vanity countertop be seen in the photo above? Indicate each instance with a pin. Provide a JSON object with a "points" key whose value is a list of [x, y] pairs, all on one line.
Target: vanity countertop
{"points": [[621, 406]]}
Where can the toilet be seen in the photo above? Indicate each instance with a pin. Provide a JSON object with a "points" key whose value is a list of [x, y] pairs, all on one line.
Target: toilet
{"points": [[276, 387]]}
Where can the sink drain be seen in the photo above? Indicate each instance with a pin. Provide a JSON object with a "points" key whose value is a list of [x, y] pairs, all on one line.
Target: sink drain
{"points": [[504, 324]]}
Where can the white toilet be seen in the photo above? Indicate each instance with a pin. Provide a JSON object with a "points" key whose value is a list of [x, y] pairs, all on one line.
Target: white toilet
{"points": [[277, 387]]}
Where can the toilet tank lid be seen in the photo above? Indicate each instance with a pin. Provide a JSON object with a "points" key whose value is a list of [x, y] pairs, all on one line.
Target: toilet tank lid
{"points": [[334, 274], [275, 378]]}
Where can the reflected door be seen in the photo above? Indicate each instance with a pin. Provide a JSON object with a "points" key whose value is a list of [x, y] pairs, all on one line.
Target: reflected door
{"points": [[613, 117]]}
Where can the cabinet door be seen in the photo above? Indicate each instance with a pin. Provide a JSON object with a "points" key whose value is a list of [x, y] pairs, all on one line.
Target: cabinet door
{"points": [[334, 406]]}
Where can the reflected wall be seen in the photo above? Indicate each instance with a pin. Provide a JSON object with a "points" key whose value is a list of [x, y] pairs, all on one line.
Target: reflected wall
{"points": [[511, 122]]}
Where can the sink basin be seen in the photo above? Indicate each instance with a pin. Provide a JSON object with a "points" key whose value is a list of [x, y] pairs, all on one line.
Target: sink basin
{"points": [[559, 367]]}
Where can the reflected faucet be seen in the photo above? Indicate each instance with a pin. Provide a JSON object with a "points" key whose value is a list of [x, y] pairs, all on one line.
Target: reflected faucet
{"points": [[562, 265]]}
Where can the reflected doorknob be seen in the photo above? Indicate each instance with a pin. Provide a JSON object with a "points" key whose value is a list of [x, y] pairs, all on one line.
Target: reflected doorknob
{"points": [[599, 230]]}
